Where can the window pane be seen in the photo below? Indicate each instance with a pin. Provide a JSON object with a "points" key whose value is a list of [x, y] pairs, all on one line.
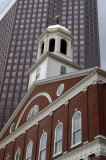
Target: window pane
{"points": [[58, 138], [29, 150], [43, 142], [77, 128]]}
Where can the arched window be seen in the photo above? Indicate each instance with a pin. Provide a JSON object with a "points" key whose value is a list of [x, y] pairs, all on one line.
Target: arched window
{"points": [[42, 151], [63, 47], [34, 110], [17, 155], [8, 158], [76, 130], [58, 138], [42, 48], [29, 151], [63, 70], [52, 45]]}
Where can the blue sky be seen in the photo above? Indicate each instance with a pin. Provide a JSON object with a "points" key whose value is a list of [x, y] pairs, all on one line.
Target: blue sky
{"points": [[102, 26]]}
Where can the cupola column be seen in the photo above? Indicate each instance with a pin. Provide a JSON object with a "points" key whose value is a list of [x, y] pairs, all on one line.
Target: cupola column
{"points": [[39, 51], [57, 44], [69, 49], [46, 44]]}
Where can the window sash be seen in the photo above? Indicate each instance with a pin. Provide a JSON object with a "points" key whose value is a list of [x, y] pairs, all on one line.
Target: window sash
{"points": [[77, 137], [58, 147], [43, 154]]}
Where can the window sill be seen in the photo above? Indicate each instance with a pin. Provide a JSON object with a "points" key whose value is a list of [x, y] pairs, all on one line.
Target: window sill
{"points": [[57, 154], [75, 145]]}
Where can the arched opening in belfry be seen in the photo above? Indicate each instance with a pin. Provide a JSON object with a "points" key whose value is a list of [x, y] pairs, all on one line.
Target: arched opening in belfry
{"points": [[42, 48], [63, 47], [52, 45]]}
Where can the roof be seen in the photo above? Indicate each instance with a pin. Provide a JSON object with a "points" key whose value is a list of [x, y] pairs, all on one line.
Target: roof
{"points": [[57, 26]]}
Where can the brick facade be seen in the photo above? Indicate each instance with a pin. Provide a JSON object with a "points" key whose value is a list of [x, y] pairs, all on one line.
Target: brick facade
{"points": [[90, 102]]}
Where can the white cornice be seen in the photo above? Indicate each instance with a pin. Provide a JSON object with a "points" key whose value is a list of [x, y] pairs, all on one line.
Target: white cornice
{"points": [[79, 87], [97, 147], [58, 56], [55, 30]]}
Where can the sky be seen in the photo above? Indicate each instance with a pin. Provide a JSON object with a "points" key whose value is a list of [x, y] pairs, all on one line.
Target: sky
{"points": [[102, 27]]}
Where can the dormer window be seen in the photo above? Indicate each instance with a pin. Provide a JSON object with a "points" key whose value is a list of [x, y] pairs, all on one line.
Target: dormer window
{"points": [[42, 48], [38, 73], [63, 47], [63, 70], [52, 45]]}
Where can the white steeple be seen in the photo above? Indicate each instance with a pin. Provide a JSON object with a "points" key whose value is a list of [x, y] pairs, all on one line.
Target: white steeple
{"points": [[55, 54]]}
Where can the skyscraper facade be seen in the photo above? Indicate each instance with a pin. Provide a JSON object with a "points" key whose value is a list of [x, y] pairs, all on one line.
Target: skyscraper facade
{"points": [[27, 19]]}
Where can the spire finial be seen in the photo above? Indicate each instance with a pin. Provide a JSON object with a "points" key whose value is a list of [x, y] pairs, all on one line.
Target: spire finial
{"points": [[57, 19]]}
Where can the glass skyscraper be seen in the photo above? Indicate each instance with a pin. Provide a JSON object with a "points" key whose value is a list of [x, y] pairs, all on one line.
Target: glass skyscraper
{"points": [[19, 30]]}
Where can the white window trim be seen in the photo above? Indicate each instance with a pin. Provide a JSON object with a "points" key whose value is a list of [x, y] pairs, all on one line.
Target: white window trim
{"points": [[73, 145], [40, 144], [16, 153], [8, 157], [11, 127], [55, 154], [27, 149]]}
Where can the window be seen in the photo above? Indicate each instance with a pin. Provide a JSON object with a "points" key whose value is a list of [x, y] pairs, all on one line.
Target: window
{"points": [[63, 47], [17, 155], [76, 128], [8, 158], [58, 139], [29, 151], [63, 70], [43, 141], [42, 48], [32, 112], [52, 45]]}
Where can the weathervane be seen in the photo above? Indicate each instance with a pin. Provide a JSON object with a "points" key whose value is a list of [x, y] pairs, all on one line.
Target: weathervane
{"points": [[57, 19]]}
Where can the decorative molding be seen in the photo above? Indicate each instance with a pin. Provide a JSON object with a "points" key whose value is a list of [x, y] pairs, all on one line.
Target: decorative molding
{"points": [[24, 132], [66, 102], [98, 81], [97, 147], [100, 136], [85, 158], [85, 89], [37, 95], [37, 123], [85, 142], [76, 109], [51, 114], [65, 152]]}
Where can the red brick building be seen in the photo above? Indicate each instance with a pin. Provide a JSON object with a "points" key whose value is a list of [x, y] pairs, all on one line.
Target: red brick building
{"points": [[63, 114]]}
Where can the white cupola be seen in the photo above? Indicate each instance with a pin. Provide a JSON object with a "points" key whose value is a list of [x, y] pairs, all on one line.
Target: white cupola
{"points": [[55, 54], [56, 39]]}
